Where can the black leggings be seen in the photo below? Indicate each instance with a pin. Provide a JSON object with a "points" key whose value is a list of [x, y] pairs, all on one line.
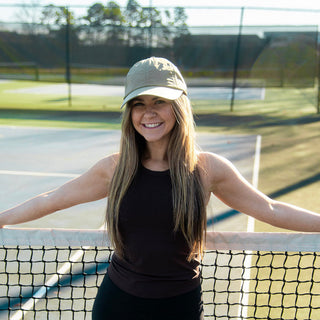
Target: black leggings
{"points": [[113, 303]]}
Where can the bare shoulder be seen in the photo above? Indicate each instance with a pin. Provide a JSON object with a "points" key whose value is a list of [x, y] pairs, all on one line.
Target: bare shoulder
{"points": [[210, 161], [99, 176], [213, 168], [106, 166]]}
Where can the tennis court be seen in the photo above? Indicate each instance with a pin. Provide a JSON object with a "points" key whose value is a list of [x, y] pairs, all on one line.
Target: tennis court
{"points": [[237, 280], [34, 160], [195, 92], [54, 273]]}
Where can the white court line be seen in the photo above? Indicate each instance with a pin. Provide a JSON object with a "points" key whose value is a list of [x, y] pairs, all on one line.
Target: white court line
{"points": [[38, 174], [43, 290], [250, 228], [52, 282], [255, 177], [64, 269], [54, 279]]}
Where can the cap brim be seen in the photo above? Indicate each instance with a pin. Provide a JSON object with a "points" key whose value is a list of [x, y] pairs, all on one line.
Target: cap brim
{"points": [[163, 92]]}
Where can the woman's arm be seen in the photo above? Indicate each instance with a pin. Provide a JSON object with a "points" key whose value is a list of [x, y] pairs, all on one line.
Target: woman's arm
{"points": [[228, 185], [92, 185]]}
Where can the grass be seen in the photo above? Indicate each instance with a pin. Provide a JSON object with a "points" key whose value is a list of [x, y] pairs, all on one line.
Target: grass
{"points": [[286, 119]]}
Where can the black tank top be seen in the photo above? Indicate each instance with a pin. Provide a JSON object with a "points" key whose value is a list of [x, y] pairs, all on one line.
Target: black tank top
{"points": [[155, 258]]}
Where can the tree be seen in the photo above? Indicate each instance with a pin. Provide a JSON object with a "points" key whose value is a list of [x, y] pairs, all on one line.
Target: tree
{"points": [[29, 16], [103, 23], [136, 25], [94, 24], [115, 21], [55, 17], [96, 16], [180, 22], [61, 26], [158, 31], [135, 19], [132, 13]]}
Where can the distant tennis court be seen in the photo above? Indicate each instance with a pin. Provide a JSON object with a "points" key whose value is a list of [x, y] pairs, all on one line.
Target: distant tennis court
{"points": [[205, 93]]}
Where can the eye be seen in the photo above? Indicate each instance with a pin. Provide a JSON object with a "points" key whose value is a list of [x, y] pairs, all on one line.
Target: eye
{"points": [[137, 104], [159, 101]]}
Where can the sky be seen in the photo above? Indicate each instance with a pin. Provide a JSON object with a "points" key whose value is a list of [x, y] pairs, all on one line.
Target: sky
{"points": [[302, 4], [200, 14]]}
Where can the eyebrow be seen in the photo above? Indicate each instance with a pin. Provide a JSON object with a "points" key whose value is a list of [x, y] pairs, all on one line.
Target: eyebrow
{"points": [[140, 99]]}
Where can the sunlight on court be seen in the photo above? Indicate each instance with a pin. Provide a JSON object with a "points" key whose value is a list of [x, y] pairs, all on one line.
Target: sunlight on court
{"points": [[204, 93], [241, 283], [41, 159]]}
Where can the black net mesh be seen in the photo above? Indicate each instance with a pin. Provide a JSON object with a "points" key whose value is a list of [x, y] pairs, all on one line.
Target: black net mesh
{"points": [[61, 283]]}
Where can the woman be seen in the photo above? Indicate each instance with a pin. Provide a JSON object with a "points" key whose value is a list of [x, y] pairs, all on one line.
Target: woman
{"points": [[158, 187]]}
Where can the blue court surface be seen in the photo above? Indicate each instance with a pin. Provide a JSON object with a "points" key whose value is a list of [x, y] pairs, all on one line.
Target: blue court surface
{"points": [[35, 160]]}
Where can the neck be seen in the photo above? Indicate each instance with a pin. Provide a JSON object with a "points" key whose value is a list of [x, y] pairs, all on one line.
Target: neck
{"points": [[156, 157]]}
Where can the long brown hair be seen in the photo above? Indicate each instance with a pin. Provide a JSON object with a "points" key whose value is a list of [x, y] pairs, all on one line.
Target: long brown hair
{"points": [[189, 211]]}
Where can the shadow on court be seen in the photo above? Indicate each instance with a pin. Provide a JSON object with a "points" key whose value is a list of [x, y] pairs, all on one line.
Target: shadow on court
{"points": [[296, 186], [250, 121], [72, 116], [204, 119]]}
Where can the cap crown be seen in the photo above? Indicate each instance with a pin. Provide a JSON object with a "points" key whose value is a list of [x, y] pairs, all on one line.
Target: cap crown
{"points": [[154, 72]]}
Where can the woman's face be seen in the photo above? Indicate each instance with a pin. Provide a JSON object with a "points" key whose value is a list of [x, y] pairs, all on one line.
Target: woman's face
{"points": [[153, 117]]}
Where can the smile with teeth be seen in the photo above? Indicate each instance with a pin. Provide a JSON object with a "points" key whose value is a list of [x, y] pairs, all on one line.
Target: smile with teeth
{"points": [[152, 125]]}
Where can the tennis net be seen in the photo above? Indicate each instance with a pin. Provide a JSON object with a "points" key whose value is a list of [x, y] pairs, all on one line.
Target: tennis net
{"points": [[54, 274]]}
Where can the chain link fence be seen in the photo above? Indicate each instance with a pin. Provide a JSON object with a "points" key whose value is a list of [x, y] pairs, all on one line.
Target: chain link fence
{"points": [[98, 44]]}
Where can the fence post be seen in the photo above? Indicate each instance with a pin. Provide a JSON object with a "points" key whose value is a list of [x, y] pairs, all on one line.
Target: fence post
{"points": [[236, 61], [150, 29], [68, 72], [318, 73]]}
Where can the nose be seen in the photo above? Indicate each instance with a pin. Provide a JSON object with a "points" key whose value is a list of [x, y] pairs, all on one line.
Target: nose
{"points": [[150, 110]]}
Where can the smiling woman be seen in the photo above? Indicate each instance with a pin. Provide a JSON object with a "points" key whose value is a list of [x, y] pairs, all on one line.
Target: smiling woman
{"points": [[158, 187], [153, 118]]}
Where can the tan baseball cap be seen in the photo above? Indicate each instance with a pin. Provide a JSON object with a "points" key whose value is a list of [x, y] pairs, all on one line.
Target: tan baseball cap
{"points": [[154, 76]]}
